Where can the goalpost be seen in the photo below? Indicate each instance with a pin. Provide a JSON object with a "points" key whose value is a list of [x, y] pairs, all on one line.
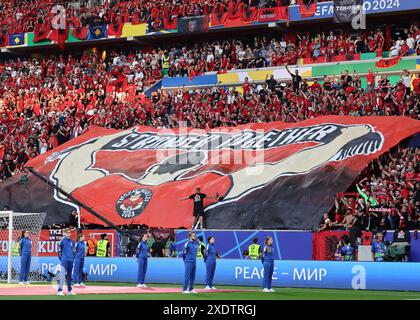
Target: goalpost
{"points": [[12, 224]]}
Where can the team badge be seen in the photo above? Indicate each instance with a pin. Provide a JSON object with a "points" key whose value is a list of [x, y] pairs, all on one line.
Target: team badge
{"points": [[132, 203]]}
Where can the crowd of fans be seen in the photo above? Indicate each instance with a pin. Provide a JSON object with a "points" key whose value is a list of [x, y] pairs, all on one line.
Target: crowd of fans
{"points": [[46, 102], [386, 197], [27, 15], [265, 52]]}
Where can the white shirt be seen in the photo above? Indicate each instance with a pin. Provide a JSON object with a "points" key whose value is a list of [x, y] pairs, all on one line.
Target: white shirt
{"points": [[411, 42], [400, 43], [394, 51], [210, 57], [43, 147], [406, 81]]}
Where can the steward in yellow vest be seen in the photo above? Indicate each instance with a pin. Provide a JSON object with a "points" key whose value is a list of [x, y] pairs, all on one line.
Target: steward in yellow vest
{"points": [[201, 248], [254, 249], [102, 247]]}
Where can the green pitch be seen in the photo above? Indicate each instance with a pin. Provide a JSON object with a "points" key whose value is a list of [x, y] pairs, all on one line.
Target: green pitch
{"points": [[280, 294]]}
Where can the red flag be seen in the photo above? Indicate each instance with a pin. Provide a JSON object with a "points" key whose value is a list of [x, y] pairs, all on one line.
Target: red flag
{"points": [[324, 244], [80, 33], [59, 36], [307, 10], [115, 29], [121, 80], [192, 74], [236, 20], [387, 63], [41, 33], [170, 23], [4, 40], [217, 19], [250, 14], [273, 14]]}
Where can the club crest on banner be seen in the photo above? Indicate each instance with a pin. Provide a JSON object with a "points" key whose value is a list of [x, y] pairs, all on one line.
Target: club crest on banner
{"points": [[132, 203]]}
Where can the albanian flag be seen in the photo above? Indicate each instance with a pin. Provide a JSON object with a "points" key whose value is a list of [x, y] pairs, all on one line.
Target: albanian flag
{"points": [[4, 40], [41, 33], [170, 23], [115, 30], [387, 63], [307, 9], [270, 175], [217, 19], [80, 33]]}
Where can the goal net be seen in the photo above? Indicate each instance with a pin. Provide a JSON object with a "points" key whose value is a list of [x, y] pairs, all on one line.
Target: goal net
{"points": [[12, 225]]}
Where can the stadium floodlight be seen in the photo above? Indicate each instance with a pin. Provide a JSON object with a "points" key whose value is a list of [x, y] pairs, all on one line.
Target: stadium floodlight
{"points": [[12, 224]]}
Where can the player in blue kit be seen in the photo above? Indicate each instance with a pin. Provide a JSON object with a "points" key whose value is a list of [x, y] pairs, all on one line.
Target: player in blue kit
{"points": [[190, 258], [142, 254], [210, 257], [66, 256], [267, 258], [79, 260], [25, 245]]}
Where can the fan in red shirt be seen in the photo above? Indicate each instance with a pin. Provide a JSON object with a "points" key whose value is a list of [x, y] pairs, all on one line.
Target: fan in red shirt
{"points": [[246, 86]]}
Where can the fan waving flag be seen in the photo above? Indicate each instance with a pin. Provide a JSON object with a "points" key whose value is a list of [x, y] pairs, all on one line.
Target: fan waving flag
{"points": [[387, 63], [97, 32], [270, 175], [307, 9]]}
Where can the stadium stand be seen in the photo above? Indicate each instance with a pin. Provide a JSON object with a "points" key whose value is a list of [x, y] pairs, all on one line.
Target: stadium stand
{"points": [[393, 181], [25, 16]]}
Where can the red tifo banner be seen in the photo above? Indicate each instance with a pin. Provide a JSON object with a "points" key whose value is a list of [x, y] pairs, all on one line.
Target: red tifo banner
{"points": [[130, 177], [49, 241]]}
